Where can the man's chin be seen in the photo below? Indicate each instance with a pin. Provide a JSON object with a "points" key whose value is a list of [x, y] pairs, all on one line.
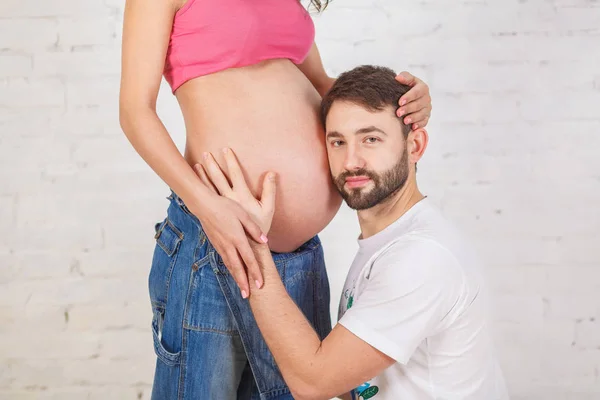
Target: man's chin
{"points": [[355, 202]]}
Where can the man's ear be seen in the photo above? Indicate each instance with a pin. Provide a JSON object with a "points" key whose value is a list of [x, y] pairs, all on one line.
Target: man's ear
{"points": [[416, 143]]}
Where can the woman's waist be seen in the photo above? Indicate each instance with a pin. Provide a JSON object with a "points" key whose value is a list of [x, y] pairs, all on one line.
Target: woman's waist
{"points": [[274, 92]]}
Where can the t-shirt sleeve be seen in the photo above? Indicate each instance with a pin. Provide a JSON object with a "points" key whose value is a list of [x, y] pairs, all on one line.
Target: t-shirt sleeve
{"points": [[411, 287]]}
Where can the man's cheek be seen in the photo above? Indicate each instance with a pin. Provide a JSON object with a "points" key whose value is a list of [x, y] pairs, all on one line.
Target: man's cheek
{"points": [[334, 166]]}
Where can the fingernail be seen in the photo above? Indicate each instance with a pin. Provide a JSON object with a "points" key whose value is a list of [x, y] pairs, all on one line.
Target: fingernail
{"points": [[244, 294], [205, 156], [257, 284], [415, 126], [400, 112], [407, 121], [402, 102], [264, 239], [224, 149], [271, 177]]}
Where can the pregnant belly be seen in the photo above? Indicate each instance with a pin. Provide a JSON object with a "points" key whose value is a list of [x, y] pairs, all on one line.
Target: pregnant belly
{"points": [[270, 127]]}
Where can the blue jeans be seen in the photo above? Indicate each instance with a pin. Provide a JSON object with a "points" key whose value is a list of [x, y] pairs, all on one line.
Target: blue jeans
{"points": [[207, 343]]}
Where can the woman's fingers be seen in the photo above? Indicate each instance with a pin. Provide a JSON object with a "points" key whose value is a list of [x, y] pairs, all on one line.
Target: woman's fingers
{"points": [[235, 172], [216, 175], [203, 177]]}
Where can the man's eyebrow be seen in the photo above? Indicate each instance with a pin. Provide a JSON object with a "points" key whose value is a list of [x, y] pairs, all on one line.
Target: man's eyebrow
{"points": [[334, 134], [370, 129], [361, 131]]}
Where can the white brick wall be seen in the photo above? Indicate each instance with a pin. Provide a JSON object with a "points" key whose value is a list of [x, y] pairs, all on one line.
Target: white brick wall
{"points": [[512, 159]]}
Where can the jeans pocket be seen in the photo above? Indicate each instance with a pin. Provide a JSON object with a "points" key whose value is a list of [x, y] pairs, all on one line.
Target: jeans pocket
{"points": [[167, 357], [207, 308], [168, 241], [168, 236]]}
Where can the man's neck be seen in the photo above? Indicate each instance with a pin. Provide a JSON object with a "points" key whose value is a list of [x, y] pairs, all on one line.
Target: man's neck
{"points": [[377, 218]]}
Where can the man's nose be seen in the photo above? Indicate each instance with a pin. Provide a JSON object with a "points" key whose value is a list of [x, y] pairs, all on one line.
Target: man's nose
{"points": [[353, 160]]}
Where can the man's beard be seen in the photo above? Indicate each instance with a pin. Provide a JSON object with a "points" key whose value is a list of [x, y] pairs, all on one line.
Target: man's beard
{"points": [[386, 184]]}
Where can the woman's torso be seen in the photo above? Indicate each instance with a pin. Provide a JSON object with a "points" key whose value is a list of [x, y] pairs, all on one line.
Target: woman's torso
{"points": [[268, 114]]}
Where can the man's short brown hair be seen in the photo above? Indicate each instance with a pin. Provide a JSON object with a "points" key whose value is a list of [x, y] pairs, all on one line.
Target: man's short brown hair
{"points": [[369, 86]]}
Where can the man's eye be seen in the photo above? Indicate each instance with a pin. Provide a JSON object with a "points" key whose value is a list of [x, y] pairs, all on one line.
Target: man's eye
{"points": [[371, 140], [337, 143]]}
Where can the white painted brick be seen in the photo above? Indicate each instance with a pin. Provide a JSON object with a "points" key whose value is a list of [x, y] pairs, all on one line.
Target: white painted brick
{"points": [[517, 279], [7, 268], [102, 264], [27, 34], [111, 316], [120, 235], [571, 306], [79, 393], [19, 65], [37, 392], [116, 4], [558, 335], [51, 226], [7, 219], [90, 121], [519, 353], [141, 392], [93, 151], [26, 152], [130, 342], [368, 22], [76, 63], [43, 265], [475, 108], [50, 345], [587, 334], [103, 371], [560, 390], [24, 92], [555, 108], [100, 372], [92, 92], [28, 181], [72, 291], [30, 318], [17, 123], [532, 78], [87, 31], [33, 8], [562, 279], [524, 309], [500, 252], [575, 367]]}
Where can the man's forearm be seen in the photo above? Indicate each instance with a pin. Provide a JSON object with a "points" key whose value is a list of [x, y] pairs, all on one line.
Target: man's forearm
{"points": [[290, 337]]}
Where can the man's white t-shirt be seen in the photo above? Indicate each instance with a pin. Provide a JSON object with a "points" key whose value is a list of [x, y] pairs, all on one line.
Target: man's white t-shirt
{"points": [[414, 292]]}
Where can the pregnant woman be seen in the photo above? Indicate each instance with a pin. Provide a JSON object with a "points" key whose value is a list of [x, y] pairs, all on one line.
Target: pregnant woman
{"points": [[248, 76]]}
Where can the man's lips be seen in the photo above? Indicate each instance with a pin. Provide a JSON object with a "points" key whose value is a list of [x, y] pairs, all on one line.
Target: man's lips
{"points": [[357, 181]]}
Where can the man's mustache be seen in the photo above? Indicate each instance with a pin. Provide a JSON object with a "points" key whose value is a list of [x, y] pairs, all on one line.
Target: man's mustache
{"points": [[359, 172]]}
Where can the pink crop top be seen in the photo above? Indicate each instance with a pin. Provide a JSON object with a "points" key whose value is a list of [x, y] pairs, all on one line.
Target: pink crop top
{"points": [[213, 35]]}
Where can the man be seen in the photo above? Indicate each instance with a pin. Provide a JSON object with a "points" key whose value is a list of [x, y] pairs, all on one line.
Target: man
{"points": [[412, 317]]}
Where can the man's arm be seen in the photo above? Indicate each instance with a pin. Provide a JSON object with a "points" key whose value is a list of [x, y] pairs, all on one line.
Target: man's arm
{"points": [[311, 368]]}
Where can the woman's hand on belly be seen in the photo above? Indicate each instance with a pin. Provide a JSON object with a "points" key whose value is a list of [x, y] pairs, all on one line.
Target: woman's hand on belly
{"points": [[261, 210], [227, 225]]}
